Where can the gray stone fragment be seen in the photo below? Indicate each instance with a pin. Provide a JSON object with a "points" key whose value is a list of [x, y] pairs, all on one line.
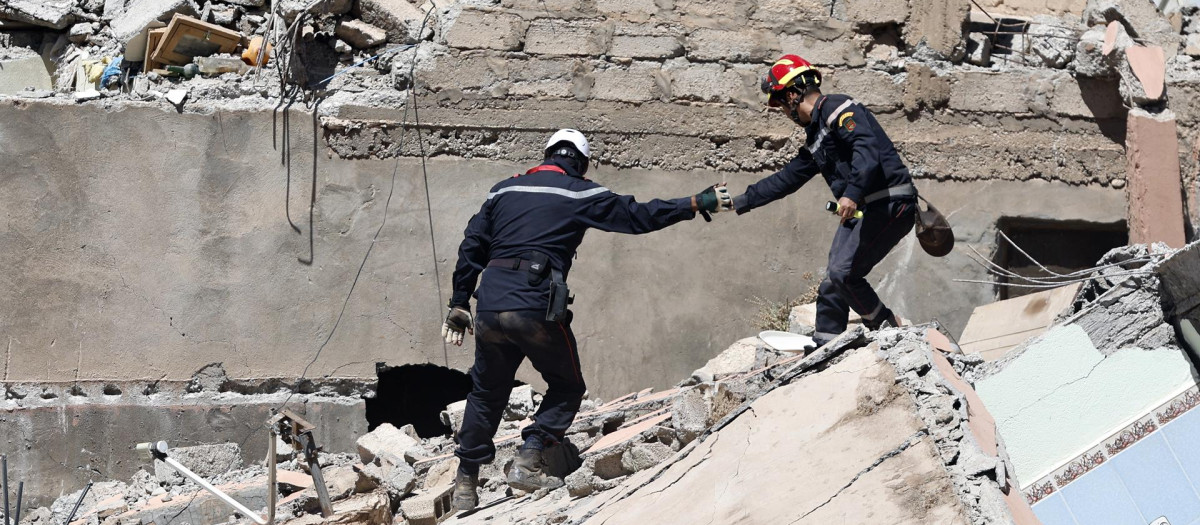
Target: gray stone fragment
{"points": [[387, 443], [695, 409], [979, 49], [139, 13], [520, 404], [1049, 40], [79, 33], [644, 456], [973, 461], [207, 461], [360, 34], [55, 14]]}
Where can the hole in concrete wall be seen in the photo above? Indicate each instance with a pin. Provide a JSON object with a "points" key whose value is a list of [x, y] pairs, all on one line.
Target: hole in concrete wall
{"points": [[1061, 246], [76, 390], [111, 390], [416, 395], [1006, 34]]}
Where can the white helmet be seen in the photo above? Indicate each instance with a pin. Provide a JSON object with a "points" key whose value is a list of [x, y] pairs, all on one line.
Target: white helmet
{"points": [[574, 137]]}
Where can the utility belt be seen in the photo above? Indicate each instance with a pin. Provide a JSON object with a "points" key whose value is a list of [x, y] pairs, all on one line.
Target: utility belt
{"points": [[538, 267], [894, 191]]}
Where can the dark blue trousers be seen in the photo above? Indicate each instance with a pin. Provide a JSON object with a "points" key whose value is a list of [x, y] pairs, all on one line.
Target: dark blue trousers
{"points": [[502, 341], [858, 246]]}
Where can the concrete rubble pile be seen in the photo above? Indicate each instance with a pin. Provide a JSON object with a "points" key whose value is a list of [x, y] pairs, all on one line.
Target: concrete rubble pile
{"points": [[910, 412]]}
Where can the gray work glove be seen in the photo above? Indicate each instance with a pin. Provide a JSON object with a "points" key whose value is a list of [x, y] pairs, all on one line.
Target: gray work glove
{"points": [[713, 199], [457, 321]]}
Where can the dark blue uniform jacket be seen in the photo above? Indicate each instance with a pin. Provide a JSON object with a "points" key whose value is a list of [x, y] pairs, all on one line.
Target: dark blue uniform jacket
{"points": [[847, 146], [549, 212]]}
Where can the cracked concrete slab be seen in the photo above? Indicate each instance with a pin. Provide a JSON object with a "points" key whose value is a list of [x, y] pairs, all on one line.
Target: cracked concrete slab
{"points": [[831, 446]]}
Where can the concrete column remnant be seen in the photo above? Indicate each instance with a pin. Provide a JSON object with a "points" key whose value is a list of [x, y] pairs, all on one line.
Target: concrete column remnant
{"points": [[1155, 196]]}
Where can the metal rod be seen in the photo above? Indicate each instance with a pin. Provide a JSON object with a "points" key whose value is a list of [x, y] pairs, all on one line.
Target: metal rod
{"points": [[4, 477], [314, 468], [272, 488], [78, 503], [20, 492], [208, 486]]}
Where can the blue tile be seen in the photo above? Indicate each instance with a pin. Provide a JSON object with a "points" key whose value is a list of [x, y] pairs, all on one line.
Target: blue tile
{"points": [[1099, 498], [1155, 482], [1053, 511], [1183, 434]]}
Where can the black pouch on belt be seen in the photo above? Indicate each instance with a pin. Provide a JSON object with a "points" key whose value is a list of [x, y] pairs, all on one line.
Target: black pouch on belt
{"points": [[560, 298], [539, 267]]}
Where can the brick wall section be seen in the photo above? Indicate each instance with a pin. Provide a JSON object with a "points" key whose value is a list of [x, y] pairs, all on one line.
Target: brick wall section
{"points": [[638, 71], [1156, 212]]}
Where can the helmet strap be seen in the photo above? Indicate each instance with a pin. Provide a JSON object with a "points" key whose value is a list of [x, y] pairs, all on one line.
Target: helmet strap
{"points": [[569, 155]]}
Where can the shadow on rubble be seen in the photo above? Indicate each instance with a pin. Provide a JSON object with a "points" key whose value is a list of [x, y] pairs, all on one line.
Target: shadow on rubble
{"points": [[416, 395]]}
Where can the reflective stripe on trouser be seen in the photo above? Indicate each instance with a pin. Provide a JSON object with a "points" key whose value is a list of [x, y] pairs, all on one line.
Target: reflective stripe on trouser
{"points": [[502, 341], [858, 246]]}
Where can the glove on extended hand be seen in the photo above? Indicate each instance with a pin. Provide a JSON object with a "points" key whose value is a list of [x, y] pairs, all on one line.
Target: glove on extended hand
{"points": [[713, 199], [457, 321]]}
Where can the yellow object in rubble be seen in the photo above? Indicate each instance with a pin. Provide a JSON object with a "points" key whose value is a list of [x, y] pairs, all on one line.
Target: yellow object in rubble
{"points": [[250, 55]]}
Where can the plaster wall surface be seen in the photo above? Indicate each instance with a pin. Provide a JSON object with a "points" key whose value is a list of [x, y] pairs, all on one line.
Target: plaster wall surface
{"points": [[1062, 395], [142, 244]]}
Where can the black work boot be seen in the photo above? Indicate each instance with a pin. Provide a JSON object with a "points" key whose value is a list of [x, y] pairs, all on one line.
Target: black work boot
{"points": [[466, 496], [528, 472]]}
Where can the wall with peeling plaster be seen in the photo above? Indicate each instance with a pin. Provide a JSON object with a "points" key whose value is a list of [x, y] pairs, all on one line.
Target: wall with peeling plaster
{"points": [[133, 262]]}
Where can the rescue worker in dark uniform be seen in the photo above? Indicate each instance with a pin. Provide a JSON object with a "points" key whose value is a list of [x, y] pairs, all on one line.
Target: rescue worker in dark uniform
{"points": [[848, 147], [523, 241]]}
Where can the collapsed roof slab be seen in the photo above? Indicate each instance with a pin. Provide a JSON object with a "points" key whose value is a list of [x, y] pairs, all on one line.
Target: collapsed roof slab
{"points": [[1061, 395]]}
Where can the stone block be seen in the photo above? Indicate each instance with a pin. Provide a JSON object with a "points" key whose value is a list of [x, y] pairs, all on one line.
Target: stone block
{"points": [[55, 14], [544, 6], [363, 509], [428, 508], [924, 89], [201, 507], [568, 37], [544, 77], [739, 357], [633, 10], [360, 34], [483, 30], [387, 443], [452, 416], [1192, 45], [979, 49], [1091, 98], [140, 13], [399, 18], [633, 84], [644, 456], [1141, 19], [207, 461], [695, 409], [1156, 212], [1051, 42], [877, 12], [937, 26], [520, 403], [877, 89], [839, 52], [989, 92], [701, 13], [702, 82], [710, 45], [1143, 75], [19, 74], [636, 46]]}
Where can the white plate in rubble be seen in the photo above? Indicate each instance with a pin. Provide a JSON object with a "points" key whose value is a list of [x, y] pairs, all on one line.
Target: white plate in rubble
{"points": [[785, 341]]}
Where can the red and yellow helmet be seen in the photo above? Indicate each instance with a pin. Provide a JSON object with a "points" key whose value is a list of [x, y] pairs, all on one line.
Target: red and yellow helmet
{"points": [[788, 72]]}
